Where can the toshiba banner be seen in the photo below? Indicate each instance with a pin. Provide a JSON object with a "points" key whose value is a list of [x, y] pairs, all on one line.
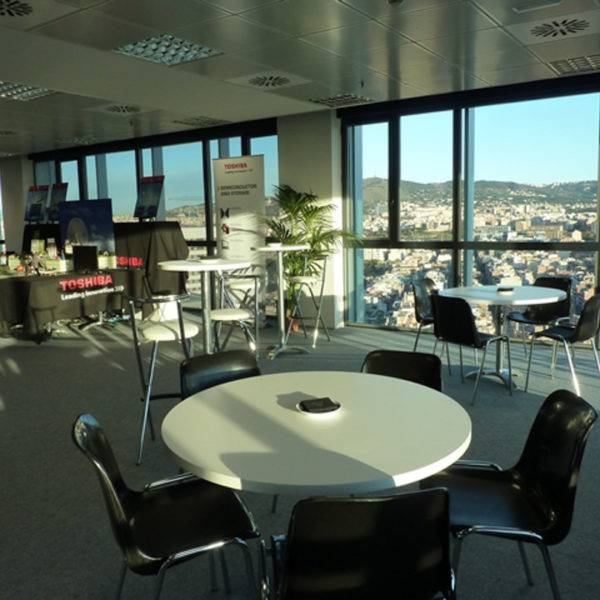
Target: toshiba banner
{"points": [[240, 207]]}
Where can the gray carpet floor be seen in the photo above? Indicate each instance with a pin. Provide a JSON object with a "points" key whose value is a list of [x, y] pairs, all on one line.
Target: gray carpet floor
{"points": [[56, 538]]}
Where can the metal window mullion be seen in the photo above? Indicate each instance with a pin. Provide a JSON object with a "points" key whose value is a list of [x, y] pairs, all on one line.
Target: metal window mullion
{"points": [[394, 178]]}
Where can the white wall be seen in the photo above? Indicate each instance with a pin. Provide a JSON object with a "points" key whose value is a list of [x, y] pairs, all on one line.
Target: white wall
{"points": [[310, 160], [16, 175]]}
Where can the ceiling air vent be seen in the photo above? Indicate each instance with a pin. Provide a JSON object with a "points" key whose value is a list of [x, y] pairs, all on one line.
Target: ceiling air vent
{"points": [[122, 109], [201, 122], [579, 64], [269, 80], [340, 100], [12, 8], [560, 27]]}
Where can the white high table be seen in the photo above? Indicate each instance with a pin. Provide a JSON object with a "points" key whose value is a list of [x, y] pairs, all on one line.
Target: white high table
{"points": [[205, 266], [249, 434], [521, 295], [279, 249]]}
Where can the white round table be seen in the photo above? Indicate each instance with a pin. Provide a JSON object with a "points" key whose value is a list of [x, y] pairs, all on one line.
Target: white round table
{"points": [[279, 249], [521, 295], [249, 434], [204, 266]]}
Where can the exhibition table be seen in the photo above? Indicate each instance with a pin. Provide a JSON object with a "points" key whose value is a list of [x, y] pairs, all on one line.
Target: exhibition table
{"points": [[279, 249], [205, 266], [249, 434], [37, 301], [501, 297]]}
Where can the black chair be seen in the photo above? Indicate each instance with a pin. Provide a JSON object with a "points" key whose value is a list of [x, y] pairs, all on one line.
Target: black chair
{"points": [[207, 370], [543, 314], [351, 548], [454, 323], [422, 291], [532, 501], [419, 367], [585, 329], [169, 521]]}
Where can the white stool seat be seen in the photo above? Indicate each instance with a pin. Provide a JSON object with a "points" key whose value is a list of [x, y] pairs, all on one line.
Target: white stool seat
{"points": [[231, 314], [240, 285], [168, 331], [307, 279]]}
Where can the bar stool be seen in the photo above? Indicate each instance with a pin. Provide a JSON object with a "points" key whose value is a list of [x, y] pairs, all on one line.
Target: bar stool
{"points": [[163, 323], [314, 284]]}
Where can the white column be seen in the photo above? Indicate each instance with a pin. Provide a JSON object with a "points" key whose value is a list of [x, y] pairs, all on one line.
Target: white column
{"points": [[309, 147]]}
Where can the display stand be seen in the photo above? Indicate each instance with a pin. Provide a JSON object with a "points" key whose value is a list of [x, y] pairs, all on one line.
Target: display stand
{"points": [[150, 197]]}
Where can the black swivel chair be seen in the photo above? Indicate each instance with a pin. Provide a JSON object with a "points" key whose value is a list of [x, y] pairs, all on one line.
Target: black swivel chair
{"points": [[543, 314], [169, 521], [419, 367], [422, 291], [358, 548], [207, 370], [532, 501], [454, 323]]}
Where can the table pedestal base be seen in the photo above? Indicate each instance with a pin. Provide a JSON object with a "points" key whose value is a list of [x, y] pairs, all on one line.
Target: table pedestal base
{"points": [[501, 374], [275, 351]]}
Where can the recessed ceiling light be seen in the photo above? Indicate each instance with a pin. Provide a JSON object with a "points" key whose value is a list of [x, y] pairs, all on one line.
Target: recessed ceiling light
{"points": [[578, 64], [19, 91], [526, 7], [167, 50]]}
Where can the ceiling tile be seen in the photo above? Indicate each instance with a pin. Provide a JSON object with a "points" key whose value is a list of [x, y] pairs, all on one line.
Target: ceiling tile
{"points": [[161, 15], [502, 10], [447, 19], [518, 74], [94, 30], [382, 8], [41, 12], [567, 48], [484, 49], [355, 41], [230, 34], [301, 17], [240, 6]]}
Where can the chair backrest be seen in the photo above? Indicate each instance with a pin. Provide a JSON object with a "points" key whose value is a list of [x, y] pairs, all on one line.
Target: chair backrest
{"points": [[200, 372], [454, 321], [120, 500], [550, 461], [422, 290], [385, 547], [589, 320], [419, 367], [554, 310]]}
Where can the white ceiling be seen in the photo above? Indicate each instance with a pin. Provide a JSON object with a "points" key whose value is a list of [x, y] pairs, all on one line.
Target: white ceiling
{"points": [[364, 50]]}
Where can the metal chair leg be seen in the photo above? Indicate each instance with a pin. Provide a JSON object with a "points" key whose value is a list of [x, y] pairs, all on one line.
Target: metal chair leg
{"points": [[550, 570], [525, 563], [529, 362], [417, 338], [572, 369], [147, 401], [479, 375], [121, 580]]}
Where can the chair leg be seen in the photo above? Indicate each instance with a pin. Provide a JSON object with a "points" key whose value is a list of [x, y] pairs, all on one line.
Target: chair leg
{"points": [[224, 570], [274, 503], [572, 369], [147, 401], [160, 577], [525, 563], [249, 569], [550, 570], [121, 580], [448, 358], [417, 338], [510, 379], [529, 362], [479, 375], [595, 354], [462, 375]]}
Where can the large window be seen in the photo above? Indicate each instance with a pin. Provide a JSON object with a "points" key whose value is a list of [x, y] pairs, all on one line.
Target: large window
{"points": [[122, 184], [492, 194]]}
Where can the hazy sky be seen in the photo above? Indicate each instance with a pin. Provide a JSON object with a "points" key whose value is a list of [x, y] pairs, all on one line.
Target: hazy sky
{"points": [[541, 141]]}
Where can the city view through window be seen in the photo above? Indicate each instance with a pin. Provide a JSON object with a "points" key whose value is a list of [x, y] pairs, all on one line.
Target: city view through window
{"points": [[529, 174]]}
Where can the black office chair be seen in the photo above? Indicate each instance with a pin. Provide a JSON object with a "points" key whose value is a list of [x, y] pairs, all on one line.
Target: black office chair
{"points": [[422, 291], [169, 521], [351, 548], [532, 501], [207, 370], [413, 366], [543, 314], [454, 323], [585, 329]]}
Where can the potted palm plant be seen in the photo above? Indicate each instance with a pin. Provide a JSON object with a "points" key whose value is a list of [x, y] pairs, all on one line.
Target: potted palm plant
{"points": [[304, 219]]}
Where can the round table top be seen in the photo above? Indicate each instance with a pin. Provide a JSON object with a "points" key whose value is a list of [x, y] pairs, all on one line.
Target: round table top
{"points": [[203, 264], [520, 294], [282, 247], [249, 434]]}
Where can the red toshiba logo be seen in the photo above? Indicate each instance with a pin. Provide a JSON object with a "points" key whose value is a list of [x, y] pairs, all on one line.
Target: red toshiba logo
{"points": [[84, 283], [130, 261], [240, 165]]}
